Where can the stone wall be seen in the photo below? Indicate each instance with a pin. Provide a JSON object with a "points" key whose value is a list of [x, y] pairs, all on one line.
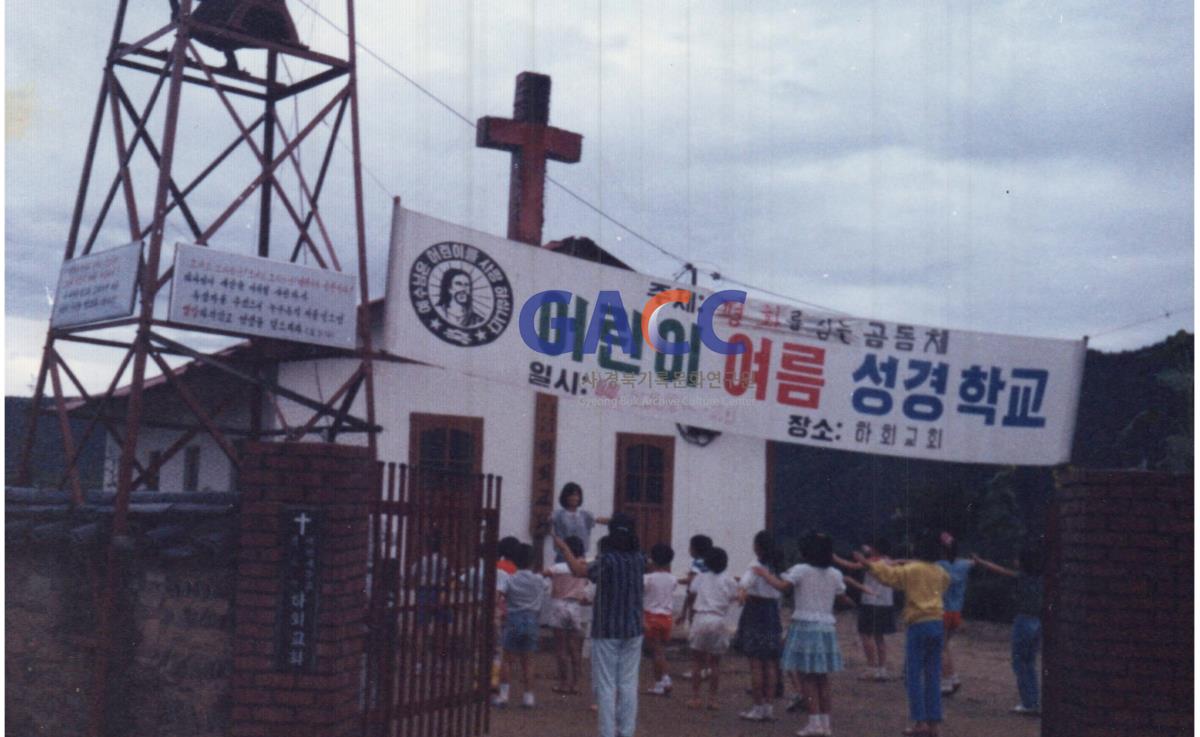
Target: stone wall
{"points": [[174, 657]]}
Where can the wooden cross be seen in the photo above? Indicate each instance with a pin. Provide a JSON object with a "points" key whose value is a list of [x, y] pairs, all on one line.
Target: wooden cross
{"points": [[531, 140]]}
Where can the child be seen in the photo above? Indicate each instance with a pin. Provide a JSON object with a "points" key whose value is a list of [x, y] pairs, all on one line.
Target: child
{"points": [[572, 520], [923, 584], [811, 650], [525, 592], [505, 549], [708, 637], [658, 602], [1027, 627], [759, 632], [698, 547], [876, 612], [567, 594], [952, 603]]}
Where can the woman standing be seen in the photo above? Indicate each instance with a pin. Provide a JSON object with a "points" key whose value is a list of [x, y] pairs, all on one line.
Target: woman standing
{"points": [[573, 519]]}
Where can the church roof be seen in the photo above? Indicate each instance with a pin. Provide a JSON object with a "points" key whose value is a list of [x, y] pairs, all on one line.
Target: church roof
{"points": [[588, 250]]}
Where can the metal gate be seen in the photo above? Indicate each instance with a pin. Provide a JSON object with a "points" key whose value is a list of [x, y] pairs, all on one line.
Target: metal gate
{"points": [[432, 599]]}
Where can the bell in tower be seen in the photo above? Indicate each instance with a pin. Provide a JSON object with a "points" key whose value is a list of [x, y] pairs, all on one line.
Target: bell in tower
{"points": [[267, 20]]}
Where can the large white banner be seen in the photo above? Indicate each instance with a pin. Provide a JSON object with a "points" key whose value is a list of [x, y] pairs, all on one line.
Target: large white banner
{"points": [[455, 299]]}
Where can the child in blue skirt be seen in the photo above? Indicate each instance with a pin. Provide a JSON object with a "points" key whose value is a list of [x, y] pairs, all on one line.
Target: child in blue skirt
{"points": [[811, 649]]}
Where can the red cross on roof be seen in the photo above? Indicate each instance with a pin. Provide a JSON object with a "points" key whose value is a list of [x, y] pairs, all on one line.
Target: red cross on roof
{"points": [[531, 140]]}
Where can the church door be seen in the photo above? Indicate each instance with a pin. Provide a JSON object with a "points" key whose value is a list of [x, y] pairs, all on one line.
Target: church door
{"points": [[645, 484]]}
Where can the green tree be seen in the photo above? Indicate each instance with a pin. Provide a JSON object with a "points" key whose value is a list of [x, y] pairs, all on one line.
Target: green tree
{"points": [[1178, 446], [999, 528]]}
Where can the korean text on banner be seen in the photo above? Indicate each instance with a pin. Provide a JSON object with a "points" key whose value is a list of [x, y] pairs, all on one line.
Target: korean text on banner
{"points": [[457, 298]]}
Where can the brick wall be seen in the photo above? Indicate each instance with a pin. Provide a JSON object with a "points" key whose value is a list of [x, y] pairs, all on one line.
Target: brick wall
{"points": [[323, 699], [1118, 632]]}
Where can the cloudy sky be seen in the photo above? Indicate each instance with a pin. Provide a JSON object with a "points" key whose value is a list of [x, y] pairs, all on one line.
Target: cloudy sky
{"points": [[1018, 167]]}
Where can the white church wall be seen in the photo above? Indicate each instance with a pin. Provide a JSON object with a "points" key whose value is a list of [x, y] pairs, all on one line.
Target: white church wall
{"points": [[719, 490], [215, 471], [402, 389]]}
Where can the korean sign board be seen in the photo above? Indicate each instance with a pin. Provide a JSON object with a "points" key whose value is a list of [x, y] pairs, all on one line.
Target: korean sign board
{"points": [[462, 300], [264, 297], [99, 286]]}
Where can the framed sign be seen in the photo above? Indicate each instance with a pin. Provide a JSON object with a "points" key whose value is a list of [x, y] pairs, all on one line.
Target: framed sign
{"points": [[99, 286], [264, 297]]}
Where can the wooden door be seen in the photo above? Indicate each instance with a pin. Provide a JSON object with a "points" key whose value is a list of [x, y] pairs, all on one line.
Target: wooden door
{"points": [[645, 484], [449, 443], [445, 453]]}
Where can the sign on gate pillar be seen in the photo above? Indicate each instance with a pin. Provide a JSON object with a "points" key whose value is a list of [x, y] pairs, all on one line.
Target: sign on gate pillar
{"points": [[300, 606]]}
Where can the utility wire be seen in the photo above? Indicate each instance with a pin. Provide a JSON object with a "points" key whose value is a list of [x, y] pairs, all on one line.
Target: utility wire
{"points": [[687, 264], [717, 275], [1163, 315]]}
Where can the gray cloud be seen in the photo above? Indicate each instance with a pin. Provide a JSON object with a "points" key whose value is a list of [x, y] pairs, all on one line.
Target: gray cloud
{"points": [[1018, 167]]}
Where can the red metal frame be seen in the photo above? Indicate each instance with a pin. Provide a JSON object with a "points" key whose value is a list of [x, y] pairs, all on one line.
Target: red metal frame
{"points": [[174, 67]]}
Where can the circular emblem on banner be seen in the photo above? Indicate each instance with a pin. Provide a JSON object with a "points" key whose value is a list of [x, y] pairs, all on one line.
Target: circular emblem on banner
{"points": [[460, 294]]}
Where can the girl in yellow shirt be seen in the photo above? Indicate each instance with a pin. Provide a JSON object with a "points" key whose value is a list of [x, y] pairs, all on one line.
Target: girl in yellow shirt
{"points": [[923, 583]]}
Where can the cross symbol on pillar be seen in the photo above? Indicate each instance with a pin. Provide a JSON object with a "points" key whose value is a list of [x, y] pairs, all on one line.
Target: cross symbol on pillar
{"points": [[531, 140], [302, 521]]}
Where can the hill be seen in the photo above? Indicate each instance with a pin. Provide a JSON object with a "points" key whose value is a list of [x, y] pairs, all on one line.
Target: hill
{"points": [[49, 459]]}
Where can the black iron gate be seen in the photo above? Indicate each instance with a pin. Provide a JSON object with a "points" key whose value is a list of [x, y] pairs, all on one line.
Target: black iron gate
{"points": [[432, 599]]}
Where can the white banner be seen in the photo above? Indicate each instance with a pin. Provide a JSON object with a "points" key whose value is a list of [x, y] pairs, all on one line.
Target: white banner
{"points": [[259, 296], [99, 286], [455, 298]]}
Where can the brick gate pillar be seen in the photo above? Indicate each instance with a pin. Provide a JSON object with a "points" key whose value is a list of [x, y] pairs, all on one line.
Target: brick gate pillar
{"points": [[301, 580], [1119, 606]]}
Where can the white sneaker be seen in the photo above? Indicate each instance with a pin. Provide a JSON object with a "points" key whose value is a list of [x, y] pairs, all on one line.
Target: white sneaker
{"points": [[659, 689], [527, 700], [753, 714], [1022, 709], [499, 701], [768, 712], [665, 682], [812, 729]]}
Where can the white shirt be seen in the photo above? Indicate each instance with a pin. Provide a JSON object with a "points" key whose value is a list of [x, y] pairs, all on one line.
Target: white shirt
{"points": [[815, 588], [525, 591], [714, 592], [756, 585], [883, 596], [658, 597]]}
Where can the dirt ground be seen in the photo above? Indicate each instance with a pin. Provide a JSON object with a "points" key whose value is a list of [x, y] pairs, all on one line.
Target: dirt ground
{"points": [[979, 709]]}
